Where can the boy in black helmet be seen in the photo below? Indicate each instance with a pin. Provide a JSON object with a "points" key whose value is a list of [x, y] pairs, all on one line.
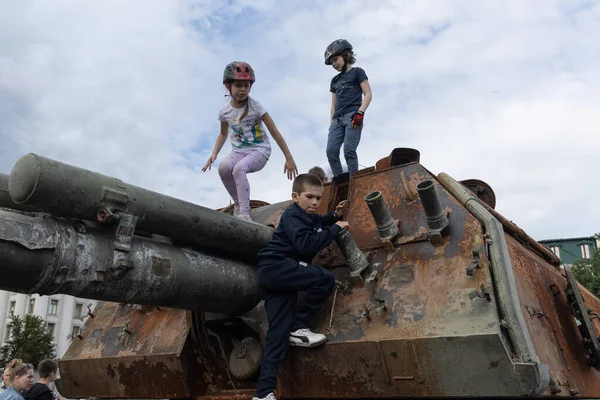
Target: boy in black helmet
{"points": [[347, 105]]}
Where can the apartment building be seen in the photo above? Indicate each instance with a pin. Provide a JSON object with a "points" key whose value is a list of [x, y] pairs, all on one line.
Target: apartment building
{"points": [[63, 315], [571, 250]]}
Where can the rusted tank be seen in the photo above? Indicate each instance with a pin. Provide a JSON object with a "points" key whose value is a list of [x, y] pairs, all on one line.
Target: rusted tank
{"points": [[438, 294]]}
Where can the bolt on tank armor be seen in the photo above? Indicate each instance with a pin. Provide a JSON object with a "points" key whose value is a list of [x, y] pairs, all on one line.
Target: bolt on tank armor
{"points": [[238, 71], [335, 49]]}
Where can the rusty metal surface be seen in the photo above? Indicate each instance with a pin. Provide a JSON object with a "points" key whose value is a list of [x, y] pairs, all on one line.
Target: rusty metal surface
{"points": [[132, 351], [476, 365], [383, 163], [398, 186], [126, 352], [482, 190], [427, 296], [229, 395], [324, 207], [398, 156], [550, 321], [428, 325]]}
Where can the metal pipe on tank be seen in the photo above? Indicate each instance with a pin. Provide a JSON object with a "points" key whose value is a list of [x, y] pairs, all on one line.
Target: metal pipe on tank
{"points": [[386, 226], [355, 259], [47, 255], [434, 213], [520, 234], [68, 191]]}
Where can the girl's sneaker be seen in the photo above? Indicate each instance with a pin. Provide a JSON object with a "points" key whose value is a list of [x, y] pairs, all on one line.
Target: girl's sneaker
{"points": [[244, 217]]}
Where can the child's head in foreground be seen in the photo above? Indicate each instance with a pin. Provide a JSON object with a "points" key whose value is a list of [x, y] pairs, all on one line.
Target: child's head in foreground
{"points": [[307, 191]]}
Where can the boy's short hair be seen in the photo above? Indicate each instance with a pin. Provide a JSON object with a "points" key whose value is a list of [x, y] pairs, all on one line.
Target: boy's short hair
{"points": [[304, 180], [318, 171], [348, 56], [47, 367]]}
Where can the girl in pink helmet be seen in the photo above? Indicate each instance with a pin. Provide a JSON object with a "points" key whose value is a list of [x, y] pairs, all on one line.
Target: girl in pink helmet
{"points": [[243, 119]]}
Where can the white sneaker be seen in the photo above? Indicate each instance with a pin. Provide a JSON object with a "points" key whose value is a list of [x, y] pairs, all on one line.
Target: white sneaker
{"points": [[245, 217], [306, 338], [270, 396]]}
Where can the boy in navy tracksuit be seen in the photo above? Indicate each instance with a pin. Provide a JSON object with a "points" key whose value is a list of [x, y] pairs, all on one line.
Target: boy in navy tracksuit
{"points": [[284, 269]]}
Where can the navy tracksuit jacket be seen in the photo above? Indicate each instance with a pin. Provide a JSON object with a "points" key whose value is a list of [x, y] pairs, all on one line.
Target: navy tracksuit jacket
{"points": [[284, 269]]}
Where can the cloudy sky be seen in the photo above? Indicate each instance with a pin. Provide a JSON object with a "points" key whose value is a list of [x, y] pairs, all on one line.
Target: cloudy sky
{"points": [[504, 91]]}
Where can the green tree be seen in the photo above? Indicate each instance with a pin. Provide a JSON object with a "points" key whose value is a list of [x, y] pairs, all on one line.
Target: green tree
{"points": [[587, 272], [29, 341]]}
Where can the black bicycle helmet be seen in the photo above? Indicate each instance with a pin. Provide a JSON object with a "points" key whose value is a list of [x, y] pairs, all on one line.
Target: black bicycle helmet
{"points": [[335, 49]]}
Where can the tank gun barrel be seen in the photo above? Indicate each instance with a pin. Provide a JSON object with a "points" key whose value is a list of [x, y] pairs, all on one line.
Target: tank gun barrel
{"points": [[67, 191], [47, 255], [5, 200]]}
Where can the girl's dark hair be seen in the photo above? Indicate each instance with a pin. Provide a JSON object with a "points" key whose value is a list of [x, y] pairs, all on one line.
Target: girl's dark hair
{"points": [[245, 113], [348, 56]]}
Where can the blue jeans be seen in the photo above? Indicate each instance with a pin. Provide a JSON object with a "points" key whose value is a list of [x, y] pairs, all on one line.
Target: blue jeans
{"points": [[341, 131]]}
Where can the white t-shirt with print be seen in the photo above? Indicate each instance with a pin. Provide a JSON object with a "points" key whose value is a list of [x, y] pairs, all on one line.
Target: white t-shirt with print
{"points": [[250, 133]]}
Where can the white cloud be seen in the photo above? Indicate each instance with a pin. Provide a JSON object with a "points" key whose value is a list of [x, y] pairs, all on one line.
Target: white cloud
{"points": [[504, 91]]}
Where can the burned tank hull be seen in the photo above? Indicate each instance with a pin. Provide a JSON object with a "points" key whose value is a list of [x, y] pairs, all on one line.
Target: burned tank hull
{"points": [[453, 300]]}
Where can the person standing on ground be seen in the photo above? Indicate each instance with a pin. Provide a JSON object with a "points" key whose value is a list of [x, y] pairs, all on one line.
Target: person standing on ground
{"points": [[6, 373], [21, 378], [48, 370]]}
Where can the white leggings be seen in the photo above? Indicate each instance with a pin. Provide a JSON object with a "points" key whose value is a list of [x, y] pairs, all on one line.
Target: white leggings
{"points": [[233, 170]]}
